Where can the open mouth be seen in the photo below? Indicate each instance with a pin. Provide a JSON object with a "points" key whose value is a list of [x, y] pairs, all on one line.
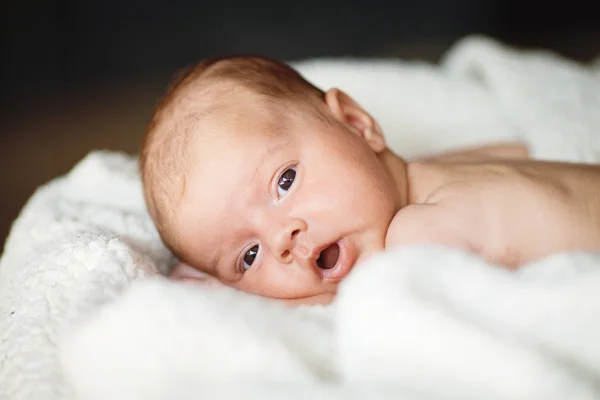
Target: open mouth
{"points": [[329, 257], [336, 260]]}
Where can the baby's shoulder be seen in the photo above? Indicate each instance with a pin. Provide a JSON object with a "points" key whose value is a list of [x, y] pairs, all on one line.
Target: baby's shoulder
{"points": [[438, 223], [465, 186]]}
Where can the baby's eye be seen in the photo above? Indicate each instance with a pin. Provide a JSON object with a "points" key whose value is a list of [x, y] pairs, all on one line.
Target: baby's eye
{"points": [[249, 257], [285, 181]]}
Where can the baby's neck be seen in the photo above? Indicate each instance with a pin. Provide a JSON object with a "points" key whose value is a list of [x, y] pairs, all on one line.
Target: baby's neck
{"points": [[413, 180], [397, 170]]}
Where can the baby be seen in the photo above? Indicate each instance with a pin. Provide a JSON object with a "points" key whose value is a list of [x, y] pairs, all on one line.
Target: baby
{"points": [[267, 184]]}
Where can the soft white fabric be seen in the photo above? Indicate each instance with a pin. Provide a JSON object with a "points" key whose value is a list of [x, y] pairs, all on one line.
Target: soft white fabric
{"points": [[85, 314]]}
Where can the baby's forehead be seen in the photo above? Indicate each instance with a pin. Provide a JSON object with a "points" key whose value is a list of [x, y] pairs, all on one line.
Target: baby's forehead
{"points": [[243, 130], [230, 117], [229, 135], [242, 116], [226, 94]]}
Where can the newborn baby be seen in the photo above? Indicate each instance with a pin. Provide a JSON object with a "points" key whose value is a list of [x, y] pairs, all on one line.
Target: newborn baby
{"points": [[267, 184]]}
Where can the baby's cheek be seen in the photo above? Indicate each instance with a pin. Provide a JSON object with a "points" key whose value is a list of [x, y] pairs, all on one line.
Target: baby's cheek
{"points": [[394, 232]]}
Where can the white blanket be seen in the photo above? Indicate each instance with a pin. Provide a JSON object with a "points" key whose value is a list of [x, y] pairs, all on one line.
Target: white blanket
{"points": [[84, 312]]}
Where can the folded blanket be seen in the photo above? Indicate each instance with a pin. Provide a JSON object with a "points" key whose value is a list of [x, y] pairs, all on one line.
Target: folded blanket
{"points": [[85, 312]]}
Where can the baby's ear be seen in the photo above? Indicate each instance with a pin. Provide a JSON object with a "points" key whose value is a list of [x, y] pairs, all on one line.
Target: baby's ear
{"points": [[184, 272], [350, 113]]}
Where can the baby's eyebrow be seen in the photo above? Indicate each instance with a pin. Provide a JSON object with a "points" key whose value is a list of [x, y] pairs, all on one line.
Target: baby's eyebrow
{"points": [[270, 150], [276, 147]]}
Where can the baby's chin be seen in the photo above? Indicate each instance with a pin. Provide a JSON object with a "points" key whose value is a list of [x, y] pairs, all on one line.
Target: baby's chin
{"points": [[320, 299], [328, 298]]}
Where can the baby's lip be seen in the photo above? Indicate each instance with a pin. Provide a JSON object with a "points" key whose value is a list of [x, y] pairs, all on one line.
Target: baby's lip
{"points": [[346, 259]]}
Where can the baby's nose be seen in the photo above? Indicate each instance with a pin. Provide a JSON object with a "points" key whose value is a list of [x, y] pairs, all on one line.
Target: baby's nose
{"points": [[286, 240]]}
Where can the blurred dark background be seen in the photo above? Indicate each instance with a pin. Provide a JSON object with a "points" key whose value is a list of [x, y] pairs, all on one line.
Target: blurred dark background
{"points": [[82, 75]]}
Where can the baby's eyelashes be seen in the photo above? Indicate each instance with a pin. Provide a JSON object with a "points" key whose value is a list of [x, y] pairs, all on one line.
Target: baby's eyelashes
{"points": [[285, 181], [249, 257]]}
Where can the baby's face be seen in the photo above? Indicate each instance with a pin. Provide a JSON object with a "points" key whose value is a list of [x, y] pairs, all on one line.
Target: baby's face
{"points": [[282, 204]]}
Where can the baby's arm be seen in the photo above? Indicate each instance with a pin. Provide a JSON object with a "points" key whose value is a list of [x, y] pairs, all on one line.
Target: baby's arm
{"points": [[506, 151], [427, 223]]}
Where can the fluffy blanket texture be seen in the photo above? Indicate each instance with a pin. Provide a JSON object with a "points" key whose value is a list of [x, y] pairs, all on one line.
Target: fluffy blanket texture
{"points": [[86, 314]]}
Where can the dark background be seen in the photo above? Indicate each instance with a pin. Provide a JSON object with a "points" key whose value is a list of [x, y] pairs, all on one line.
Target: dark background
{"points": [[82, 75]]}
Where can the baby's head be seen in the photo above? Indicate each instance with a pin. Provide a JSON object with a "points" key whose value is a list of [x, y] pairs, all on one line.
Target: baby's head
{"points": [[259, 179]]}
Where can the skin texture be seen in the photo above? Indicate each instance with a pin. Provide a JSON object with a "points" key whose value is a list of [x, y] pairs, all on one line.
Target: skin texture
{"points": [[512, 212], [350, 190], [343, 193]]}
